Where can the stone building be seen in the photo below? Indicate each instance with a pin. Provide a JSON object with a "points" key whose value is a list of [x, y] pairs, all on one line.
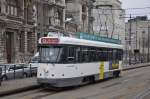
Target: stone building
{"points": [[50, 16], [138, 38], [17, 31], [77, 15], [108, 19]]}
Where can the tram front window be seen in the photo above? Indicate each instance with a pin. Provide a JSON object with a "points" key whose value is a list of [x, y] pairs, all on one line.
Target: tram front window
{"points": [[50, 54]]}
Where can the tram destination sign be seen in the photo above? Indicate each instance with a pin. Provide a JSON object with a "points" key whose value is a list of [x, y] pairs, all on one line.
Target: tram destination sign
{"points": [[92, 37], [49, 40]]}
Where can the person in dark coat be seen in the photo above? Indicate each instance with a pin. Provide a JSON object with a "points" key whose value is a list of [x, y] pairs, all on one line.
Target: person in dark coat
{"points": [[0, 76]]}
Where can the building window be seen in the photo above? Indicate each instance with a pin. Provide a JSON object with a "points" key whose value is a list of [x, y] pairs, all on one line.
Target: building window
{"points": [[21, 42], [30, 43], [83, 8], [69, 1], [12, 7]]}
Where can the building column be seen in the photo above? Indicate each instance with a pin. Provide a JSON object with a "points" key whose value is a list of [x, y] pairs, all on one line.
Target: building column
{"points": [[25, 42], [2, 46], [3, 6]]}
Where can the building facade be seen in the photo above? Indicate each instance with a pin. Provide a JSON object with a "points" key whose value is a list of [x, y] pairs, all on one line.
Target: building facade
{"points": [[108, 19], [138, 38], [77, 15], [50, 16], [17, 32]]}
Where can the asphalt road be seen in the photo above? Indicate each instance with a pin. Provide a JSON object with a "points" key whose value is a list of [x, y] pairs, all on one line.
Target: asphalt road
{"points": [[133, 84]]}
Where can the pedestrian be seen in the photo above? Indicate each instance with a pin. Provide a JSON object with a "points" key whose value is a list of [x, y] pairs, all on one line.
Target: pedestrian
{"points": [[0, 75]]}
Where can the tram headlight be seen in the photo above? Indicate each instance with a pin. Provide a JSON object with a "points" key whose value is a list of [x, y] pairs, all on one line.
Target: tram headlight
{"points": [[53, 75]]}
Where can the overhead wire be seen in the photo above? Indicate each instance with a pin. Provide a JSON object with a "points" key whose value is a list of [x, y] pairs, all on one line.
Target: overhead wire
{"points": [[112, 14], [123, 8]]}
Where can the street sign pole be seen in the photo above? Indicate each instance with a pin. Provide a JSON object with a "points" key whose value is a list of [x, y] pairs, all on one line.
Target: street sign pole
{"points": [[130, 50], [148, 42]]}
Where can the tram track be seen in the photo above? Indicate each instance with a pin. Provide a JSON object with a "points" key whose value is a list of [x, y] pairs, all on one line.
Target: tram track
{"points": [[41, 92], [34, 93], [30, 94]]}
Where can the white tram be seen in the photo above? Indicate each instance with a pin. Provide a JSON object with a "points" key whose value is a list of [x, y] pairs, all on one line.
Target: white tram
{"points": [[66, 61]]}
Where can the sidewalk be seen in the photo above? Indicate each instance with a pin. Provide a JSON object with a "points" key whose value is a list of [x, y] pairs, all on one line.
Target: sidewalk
{"points": [[17, 85]]}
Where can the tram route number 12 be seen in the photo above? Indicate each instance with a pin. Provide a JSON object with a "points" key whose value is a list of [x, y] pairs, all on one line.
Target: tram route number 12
{"points": [[101, 70]]}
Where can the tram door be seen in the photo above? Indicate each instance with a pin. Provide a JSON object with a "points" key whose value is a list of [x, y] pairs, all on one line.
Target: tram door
{"points": [[9, 45]]}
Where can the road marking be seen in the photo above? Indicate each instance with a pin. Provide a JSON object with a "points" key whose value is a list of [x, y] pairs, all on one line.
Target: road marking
{"points": [[126, 80]]}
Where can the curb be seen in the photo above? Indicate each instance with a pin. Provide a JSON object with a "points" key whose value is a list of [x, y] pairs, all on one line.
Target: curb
{"points": [[130, 68], [2, 94]]}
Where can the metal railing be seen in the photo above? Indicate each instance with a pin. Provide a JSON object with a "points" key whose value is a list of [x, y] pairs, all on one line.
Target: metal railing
{"points": [[15, 71]]}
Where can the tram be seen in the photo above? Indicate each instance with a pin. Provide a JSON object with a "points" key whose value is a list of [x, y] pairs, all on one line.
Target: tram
{"points": [[68, 61]]}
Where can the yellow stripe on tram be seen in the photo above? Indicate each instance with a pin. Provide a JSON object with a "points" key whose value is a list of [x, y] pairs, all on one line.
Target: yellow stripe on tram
{"points": [[101, 70]]}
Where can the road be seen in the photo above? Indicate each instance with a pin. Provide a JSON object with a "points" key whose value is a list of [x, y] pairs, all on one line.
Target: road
{"points": [[133, 84]]}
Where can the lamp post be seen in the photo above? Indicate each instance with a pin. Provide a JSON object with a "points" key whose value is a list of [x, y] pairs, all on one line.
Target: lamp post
{"points": [[136, 42], [140, 49], [129, 37], [143, 39], [130, 50], [148, 42]]}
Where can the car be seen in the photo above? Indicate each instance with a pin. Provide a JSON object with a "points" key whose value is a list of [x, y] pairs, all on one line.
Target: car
{"points": [[10, 71]]}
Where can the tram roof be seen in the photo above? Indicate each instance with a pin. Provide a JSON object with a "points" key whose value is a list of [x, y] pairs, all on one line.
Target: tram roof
{"points": [[83, 42]]}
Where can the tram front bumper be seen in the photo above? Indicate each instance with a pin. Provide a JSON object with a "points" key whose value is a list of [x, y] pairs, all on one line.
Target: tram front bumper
{"points": [[46, 81], [60, 82]]}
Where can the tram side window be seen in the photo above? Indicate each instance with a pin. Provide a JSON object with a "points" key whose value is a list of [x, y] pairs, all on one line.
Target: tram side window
{"points": [[103, 54], [120, 54], [85, 54], [92, 54], [71, 54], [115, 55], [110, 54], [63, 57], [79, 55]]}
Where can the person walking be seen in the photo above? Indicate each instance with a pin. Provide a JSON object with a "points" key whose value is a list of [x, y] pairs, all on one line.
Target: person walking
{"points": [[0, 76]]}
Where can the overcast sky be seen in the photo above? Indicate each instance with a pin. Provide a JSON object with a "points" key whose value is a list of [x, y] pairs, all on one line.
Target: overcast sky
{"points": [[136, 4]]}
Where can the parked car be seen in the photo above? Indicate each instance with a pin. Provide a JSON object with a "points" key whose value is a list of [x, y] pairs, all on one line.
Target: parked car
{"points": [[0, 76], [10, 71]]}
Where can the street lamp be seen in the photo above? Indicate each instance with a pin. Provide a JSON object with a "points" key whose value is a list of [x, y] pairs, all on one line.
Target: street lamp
{"points": [[148, 43], [129, 39], [143, 57]]}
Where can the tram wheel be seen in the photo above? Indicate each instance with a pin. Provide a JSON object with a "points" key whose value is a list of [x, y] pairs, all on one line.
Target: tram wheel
{"points": [[116, 74], [89, 79]]}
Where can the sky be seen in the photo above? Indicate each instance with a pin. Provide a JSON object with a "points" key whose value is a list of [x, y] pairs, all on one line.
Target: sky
{"points": [[136, 4]]}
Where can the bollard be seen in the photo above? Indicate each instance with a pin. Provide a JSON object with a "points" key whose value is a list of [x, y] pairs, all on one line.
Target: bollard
{"points": [[0, 75], [5, 69], [14, 71], [23, 71], [30, 71]]}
